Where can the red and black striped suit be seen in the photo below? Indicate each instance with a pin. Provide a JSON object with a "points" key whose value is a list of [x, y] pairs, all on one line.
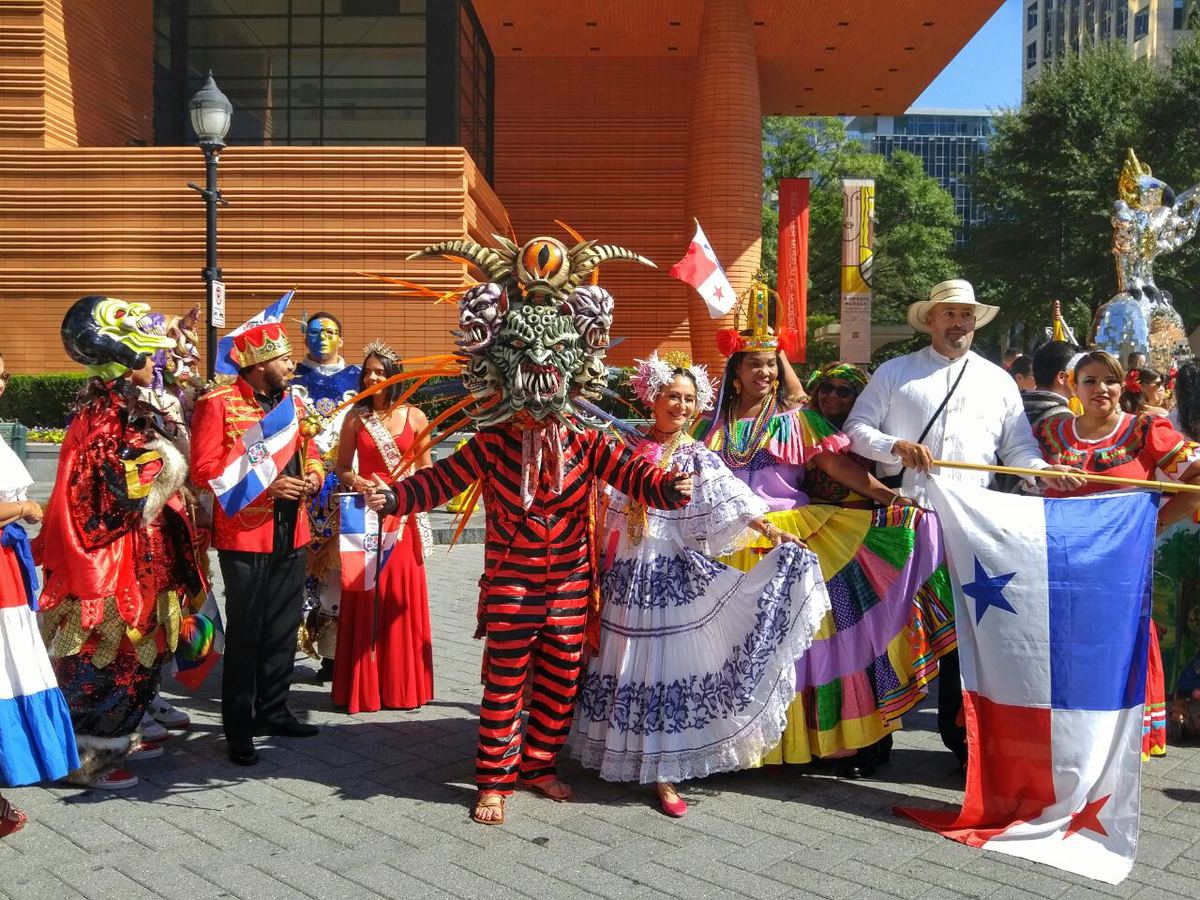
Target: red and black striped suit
{"points": [[537, 577]]}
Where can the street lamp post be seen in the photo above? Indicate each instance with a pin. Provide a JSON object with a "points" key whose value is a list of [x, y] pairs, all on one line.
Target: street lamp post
{"points": [[211, 113]]}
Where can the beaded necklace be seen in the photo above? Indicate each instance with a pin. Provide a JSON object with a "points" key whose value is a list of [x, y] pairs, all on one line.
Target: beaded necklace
{"points": [[739, 453], [635, 512]]}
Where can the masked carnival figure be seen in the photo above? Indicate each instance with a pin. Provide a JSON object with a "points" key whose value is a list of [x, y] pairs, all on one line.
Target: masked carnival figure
{"points": [[1148, 220], [873, 652], [695, 663], [532, 344], [116, 544], [322, 381]]}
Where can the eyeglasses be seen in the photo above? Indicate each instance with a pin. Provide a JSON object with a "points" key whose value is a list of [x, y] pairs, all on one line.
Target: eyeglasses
{"points": [[840, 390]]}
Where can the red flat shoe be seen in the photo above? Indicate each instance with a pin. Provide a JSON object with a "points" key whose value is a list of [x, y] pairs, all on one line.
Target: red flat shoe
{"points": [[12, 819], [674, 808]]}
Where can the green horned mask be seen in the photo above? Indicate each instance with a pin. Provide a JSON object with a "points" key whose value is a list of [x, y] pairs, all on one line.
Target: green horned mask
{"points": [[533, 336]]}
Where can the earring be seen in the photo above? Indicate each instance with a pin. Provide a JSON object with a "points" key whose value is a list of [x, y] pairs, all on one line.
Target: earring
{"points": [[737, 385]]}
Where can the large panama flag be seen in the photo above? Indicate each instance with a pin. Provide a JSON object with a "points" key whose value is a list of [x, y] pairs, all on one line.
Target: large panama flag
{"points": [[1052, 600]]}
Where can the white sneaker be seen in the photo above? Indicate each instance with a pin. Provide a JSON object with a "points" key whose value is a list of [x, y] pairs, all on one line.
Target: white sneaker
{"points": [[167, 715], [151, 730], [144, 750]]}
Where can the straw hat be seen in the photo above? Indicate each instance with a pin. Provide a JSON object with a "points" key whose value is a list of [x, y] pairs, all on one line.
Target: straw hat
{"points": [[957, 291]]}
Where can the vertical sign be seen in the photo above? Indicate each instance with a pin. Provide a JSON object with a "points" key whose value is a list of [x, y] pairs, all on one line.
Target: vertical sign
{"points": [[858, 248], [218, 304], [792, 275]]}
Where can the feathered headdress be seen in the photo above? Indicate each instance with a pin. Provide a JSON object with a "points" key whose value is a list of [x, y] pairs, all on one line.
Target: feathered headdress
{"points": [[653, 374]]}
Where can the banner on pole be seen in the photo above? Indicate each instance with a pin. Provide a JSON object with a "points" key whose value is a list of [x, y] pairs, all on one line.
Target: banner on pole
{"points": [[858, 252], [792, 274]]}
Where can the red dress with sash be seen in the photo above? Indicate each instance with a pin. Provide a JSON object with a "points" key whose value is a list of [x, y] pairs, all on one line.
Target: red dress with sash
{"points": [[400, 676]]}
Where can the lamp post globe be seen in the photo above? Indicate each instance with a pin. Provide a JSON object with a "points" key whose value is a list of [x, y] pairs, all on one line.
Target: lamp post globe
{"points": [[211, 113]]}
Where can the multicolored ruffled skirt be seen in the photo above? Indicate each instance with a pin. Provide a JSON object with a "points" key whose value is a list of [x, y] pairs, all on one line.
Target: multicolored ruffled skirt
{"points": [[892, 618]]}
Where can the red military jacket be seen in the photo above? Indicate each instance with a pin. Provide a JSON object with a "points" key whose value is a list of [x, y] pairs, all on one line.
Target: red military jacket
{"points": [[221, 416]]}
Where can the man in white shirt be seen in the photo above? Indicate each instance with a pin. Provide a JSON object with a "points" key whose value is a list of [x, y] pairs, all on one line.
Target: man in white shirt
{"points": [[945, 402]]}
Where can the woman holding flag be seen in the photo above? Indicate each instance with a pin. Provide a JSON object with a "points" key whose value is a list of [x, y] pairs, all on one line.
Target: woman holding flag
{"points": [[1106, 440], [384, 655]]}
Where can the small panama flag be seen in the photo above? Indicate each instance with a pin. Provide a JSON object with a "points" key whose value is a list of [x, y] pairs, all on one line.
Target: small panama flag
{"points": [[257, 457], [364, 550], [700, 269], [1052, 603]]}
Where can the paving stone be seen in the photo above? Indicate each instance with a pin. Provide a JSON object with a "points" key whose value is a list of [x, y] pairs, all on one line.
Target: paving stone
{"points": [[377, 806]]}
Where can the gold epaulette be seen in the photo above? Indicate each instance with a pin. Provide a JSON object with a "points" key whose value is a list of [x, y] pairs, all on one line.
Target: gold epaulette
{"points": [[217, 391]]}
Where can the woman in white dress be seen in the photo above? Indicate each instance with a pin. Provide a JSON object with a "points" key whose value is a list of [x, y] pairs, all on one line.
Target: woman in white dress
{"points": [[695, 667]]}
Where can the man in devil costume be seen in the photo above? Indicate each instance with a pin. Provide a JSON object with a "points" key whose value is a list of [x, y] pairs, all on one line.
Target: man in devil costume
{"points": [[116, 543], [533, 341]]}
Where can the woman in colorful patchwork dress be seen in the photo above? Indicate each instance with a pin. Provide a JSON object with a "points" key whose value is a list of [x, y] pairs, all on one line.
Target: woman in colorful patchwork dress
{"points": [[36, 741], [695, 665], [384, 656], [1107, 440], [858, 678]]}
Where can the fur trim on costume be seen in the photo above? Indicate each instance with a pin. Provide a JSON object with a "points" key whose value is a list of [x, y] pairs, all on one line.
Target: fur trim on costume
{"points": [[97, 755], [170, 480]]}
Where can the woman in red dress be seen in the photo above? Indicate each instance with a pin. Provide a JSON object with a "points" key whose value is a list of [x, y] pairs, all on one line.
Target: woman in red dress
{"points": [[399, 673], [1109, 441]]}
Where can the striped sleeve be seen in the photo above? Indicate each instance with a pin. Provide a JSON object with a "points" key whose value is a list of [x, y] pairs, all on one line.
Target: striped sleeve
{"points": [[632, 475], [447, 478]]}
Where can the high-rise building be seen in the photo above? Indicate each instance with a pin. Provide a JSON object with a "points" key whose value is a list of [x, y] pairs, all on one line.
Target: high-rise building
{"points": [[1148, 28], [948, 142]]}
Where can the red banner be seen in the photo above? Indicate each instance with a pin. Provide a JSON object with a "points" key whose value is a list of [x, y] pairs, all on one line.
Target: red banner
{"points": [[792, 275]]}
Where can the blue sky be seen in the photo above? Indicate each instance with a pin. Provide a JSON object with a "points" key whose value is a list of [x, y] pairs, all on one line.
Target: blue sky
{"points": [[987, 72]]}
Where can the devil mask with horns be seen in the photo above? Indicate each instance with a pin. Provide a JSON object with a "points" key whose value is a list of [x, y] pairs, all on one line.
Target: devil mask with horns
{"points": [[532, 336]]}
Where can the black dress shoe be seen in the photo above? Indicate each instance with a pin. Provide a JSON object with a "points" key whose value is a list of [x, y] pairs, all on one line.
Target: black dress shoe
{"points": [[285, 726], [242, 752]]}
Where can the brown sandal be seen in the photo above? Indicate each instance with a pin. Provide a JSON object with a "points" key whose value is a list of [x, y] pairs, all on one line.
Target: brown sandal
{"points": [[12, 819], [480, 804], [541, 788]]}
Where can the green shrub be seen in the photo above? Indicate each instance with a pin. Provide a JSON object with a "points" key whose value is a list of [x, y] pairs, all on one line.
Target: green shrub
{"points": [[41, 400]]}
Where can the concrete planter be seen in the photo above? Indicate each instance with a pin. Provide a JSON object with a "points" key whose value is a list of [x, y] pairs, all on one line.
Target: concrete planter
{"points": [[42, 462]]}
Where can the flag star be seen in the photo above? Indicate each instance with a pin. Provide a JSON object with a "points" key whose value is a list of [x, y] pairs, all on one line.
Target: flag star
{"points": [[1088, 817], [717, 292], [988, 591]]}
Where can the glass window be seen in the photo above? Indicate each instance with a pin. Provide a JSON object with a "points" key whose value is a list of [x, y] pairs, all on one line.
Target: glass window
{"points": [[1106, 19], [1177, 19], [1031, 16], [1141, 23], [1031, 55]]}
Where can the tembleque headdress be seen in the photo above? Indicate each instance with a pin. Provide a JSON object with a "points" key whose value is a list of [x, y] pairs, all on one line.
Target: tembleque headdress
{"points": [[752, 331], [110, 336], [653, 374]]}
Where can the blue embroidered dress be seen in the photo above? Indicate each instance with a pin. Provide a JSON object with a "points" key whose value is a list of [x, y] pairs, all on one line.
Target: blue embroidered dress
{"points": [[696, 667]]}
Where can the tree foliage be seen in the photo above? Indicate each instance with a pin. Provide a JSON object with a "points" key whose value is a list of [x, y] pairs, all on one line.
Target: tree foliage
{"points": [[915, 218], [1050, 178]]}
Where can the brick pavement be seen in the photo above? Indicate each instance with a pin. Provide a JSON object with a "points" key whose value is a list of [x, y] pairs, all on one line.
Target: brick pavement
{"points": [[377, 807]]}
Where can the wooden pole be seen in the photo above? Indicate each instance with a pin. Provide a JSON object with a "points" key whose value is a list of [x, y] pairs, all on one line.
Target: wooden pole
{"points": [[1166, 487]]}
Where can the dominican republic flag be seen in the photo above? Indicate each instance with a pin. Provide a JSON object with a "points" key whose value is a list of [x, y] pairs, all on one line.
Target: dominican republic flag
{"points": [[1052, 603], [700, 269], [224, 364], [258, 457], [363, 550]]}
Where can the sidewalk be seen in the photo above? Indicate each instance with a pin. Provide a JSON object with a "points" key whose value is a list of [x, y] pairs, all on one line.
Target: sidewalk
{"points": [[376, 806]]}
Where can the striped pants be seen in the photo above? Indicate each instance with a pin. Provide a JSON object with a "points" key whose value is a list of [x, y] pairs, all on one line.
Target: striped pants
{"points": [[536, 605]]}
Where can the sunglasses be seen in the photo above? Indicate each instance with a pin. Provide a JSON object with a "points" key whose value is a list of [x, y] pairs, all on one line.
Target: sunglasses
{"points": [[839, 390]]}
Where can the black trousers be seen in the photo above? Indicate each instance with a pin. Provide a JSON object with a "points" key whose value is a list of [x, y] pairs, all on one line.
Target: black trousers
{"points": [[950, 704], [264, 593]]}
